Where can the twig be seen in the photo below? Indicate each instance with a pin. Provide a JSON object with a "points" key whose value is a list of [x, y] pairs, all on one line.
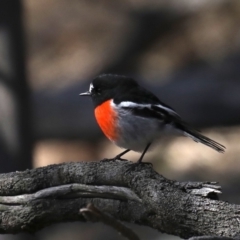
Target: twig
{"points": [[93, 214]]}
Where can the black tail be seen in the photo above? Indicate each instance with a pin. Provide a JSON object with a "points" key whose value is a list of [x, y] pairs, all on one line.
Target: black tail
{"points": [[197, 137]]}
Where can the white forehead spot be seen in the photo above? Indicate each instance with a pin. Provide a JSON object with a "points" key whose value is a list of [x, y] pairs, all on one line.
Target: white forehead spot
{"points": [[91, 87]]}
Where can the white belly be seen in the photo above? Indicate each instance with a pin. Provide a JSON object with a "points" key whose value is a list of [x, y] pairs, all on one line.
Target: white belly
{"points": [[136, 132]]}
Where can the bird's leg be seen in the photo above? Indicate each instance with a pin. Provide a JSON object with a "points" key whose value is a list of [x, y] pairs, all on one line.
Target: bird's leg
{"points": [[136, 164], [121, 154], [145, 150]]}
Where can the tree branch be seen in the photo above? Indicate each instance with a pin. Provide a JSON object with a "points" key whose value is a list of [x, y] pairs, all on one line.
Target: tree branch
{"points": [[93, 214], [33, 199]]}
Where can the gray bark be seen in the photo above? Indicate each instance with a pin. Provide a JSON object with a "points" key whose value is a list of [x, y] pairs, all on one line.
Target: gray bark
{"points": [[34, 199]]}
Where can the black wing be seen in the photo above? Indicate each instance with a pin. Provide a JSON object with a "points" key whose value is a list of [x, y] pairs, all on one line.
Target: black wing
{"points": [[147, 104]]}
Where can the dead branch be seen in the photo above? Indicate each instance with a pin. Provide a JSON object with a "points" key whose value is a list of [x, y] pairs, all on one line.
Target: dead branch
{"points": [[34, 199]]}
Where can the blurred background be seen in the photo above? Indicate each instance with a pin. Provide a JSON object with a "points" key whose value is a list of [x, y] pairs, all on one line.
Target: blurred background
{"points": [[186, 52]]}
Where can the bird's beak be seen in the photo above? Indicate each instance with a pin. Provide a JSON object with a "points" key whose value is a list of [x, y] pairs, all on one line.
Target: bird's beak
{"points": [[85, 94]]}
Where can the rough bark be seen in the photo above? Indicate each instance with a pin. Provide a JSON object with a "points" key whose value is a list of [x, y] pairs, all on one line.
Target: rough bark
{"points": [[33, 199]]}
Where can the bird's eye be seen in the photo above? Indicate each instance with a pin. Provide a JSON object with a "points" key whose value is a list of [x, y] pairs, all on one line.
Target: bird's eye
{"points": [[98, 91]]}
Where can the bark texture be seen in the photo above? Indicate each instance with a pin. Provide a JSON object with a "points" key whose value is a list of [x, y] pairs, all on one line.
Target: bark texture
{"points": [[34, 199]]}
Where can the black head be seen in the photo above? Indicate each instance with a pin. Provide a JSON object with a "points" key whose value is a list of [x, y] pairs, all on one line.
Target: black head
{"points": [[108, 86]]}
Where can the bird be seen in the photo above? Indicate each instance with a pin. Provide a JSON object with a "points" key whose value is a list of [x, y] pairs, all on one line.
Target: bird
{"points": [[133, 118]]}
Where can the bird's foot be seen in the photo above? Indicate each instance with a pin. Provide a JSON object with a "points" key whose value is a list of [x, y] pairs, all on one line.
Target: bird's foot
{"points": [[107, 160], [119, 158], [113, 159], [133, 166]]}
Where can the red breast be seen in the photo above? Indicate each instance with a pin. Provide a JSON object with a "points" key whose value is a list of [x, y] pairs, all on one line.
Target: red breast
{"points": [[107, 119]]}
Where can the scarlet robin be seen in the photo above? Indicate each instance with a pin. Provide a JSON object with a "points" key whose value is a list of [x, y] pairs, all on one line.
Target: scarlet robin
{"points": [[133, 117]]}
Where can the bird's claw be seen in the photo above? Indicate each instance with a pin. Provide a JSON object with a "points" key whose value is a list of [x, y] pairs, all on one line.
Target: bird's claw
{"points": [[133, 166], [107, 160], [119, 158], [113, 159]]}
